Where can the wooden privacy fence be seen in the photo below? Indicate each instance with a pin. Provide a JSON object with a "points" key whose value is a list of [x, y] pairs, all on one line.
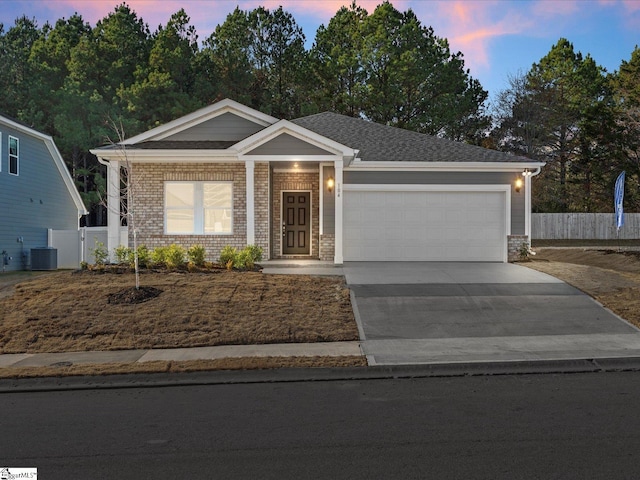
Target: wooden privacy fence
{"points": [[582, 226]]}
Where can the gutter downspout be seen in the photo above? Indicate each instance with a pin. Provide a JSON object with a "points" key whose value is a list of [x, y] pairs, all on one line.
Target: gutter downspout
{"points": [[527, 204]]}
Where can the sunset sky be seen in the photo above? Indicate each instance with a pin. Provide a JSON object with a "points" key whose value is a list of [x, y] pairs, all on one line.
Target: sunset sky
{"points": [[497, 37]]}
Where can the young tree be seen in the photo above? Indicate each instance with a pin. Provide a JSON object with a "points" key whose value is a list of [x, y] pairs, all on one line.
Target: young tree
{"points": [[129, 190]]}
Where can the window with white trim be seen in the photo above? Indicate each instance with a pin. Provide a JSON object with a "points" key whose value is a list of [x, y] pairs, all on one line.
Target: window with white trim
{"points": [[200, 208], [14, 155]]}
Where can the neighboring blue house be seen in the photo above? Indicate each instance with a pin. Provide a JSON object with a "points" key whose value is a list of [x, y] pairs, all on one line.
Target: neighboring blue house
{"points": [[36, 193]]}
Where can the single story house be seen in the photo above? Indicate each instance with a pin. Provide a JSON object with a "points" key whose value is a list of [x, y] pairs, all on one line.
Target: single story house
{"points": [[325, 186], [37, 194]]}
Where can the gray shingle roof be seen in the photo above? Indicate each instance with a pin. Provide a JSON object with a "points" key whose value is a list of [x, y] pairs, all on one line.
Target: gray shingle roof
{"points": [[382, 143], [184, 145], [174, 145]]}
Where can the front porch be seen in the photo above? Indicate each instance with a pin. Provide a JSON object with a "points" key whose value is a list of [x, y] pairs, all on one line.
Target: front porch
{"points": [[290, 266], [302, 213]]}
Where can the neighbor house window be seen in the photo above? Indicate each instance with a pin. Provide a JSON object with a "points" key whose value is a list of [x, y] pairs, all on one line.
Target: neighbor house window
{"points": [[14, 158], [198, 207]]}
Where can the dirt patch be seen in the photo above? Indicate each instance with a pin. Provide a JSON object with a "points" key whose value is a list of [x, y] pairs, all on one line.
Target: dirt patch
{"points": [[65, 311], [131, 295], [611, 277]]}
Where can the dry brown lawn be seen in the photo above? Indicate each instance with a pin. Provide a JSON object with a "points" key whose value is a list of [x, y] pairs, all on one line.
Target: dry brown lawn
{"points": [[66, 311], [611, 277], [70, 311]]}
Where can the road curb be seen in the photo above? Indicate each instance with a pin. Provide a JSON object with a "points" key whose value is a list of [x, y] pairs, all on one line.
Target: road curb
{"points": [[288, 375]]}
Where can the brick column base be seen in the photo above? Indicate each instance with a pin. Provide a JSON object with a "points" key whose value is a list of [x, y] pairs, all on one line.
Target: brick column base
{"points": [[515, 245], [327, 247]]}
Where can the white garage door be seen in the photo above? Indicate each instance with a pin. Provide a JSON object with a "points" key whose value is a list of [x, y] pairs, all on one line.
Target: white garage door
{"points": [[425, 225]]}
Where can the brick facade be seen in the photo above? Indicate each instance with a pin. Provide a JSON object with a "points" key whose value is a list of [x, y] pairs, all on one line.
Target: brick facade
{"points": [[261, 201], [514, 245], [327, 247], [149, 178]]}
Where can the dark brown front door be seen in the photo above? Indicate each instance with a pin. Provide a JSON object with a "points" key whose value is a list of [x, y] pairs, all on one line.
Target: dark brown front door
{"points": [[296, 223]]}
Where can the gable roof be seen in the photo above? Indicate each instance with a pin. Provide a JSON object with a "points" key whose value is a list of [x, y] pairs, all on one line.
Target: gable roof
{"points": [[206, 134], [185, 122], [285, 127], [382, 143], [55, 155]]}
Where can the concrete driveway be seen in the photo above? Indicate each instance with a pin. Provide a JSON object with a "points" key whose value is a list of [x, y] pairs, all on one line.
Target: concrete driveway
{"points": [[448, 312]]}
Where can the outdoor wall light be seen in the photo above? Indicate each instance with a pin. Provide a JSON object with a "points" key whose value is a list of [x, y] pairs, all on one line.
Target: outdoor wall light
{"points": [[518, 184], [330, 184]]}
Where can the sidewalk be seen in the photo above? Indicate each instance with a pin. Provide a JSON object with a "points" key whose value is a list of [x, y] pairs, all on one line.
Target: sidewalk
{"points": [[329, 349]]}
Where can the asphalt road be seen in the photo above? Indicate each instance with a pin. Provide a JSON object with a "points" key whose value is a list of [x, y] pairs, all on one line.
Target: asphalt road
{"points": [[571, 426]]}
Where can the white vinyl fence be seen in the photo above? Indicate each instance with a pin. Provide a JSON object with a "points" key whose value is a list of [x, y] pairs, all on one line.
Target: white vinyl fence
{"points": [[76, 246], [583, 226]]}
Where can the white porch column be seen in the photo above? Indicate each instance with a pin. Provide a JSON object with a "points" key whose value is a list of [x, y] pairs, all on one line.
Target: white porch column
{"points": [[338, 165], [113, 207], [251, 207], [527, 207]]}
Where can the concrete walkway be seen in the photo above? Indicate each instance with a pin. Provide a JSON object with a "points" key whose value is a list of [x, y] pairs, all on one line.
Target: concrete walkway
{"points": [[330, 349]]}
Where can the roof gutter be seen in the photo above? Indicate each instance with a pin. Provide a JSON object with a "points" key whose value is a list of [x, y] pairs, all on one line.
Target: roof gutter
{"points": [[446, 166]]}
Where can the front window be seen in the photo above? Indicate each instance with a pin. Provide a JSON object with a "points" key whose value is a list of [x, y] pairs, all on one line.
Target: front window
{"points": [[198, 208], [217, 207], [14, 158]]}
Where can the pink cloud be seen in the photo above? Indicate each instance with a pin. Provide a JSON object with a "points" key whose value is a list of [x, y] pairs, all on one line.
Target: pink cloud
{"points": [[152, 12], [470, 27], [547, 9], [631, 5], [206, 15]]}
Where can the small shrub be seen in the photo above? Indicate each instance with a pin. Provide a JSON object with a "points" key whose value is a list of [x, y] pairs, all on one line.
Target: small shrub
{"points": [[524, 251], [124, 255], [255, 252], [248, 257], [84, 266], [175, 256], [159, 256], [244, 260], [196, 254], [228, 254], [100, 253]]}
